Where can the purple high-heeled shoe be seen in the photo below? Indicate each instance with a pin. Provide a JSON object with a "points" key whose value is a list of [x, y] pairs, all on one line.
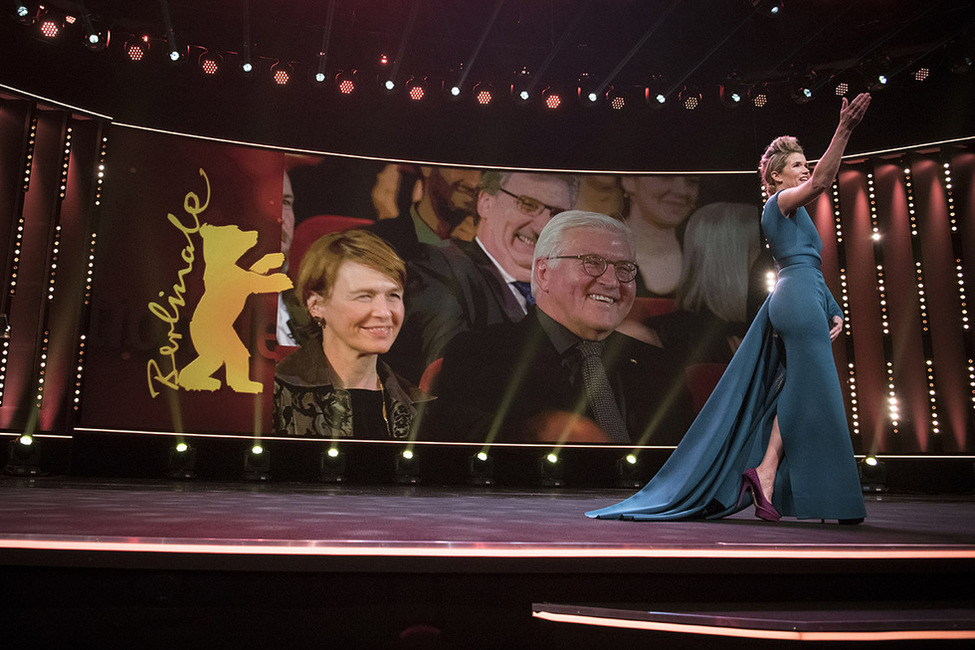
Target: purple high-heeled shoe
{"points": [[763, 507]]}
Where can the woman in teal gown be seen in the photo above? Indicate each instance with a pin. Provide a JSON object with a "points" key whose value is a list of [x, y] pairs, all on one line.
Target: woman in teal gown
{"points": [[775, 426]]}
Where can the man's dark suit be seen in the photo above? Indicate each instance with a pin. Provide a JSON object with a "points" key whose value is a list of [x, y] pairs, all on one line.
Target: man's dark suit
{"points": [[449, 290], [505, 382]]}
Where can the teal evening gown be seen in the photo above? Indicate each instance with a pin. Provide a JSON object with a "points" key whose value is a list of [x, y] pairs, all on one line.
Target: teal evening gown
{"points": [[784, 366]]}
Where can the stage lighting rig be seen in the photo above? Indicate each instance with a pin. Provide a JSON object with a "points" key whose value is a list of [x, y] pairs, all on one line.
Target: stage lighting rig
{"points": [[416, 88], [767, 7], [182, 462], [552, 98], [550, 471], [23, 456], [332, 466], [655, 93], [346, 82], [873, 474], [407, 468], [97, 33], [733, 93], [281, 73], [257, 464], [211, 63], [758, 95], [137, 48], [615, 99], [480, 469], [483, 93], [50, 26], [26, 13], [690, 98], [627, 472]]}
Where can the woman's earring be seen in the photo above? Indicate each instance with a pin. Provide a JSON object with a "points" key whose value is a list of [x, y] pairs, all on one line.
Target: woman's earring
{"points": [[319, 321]]}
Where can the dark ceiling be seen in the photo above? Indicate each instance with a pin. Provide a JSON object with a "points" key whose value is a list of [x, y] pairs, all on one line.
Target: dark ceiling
{"points": [[623, 45]]}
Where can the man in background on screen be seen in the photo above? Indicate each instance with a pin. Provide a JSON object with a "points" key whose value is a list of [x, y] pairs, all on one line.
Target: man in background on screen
{"points": [[445, 210], [470, 285], [563, 374]]}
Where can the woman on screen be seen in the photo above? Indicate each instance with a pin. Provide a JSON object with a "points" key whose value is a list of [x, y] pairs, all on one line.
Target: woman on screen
{"points": [[775, 425], [335, 385]]}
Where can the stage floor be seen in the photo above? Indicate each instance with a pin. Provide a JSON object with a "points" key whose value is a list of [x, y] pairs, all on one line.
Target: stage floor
{"points": [[193, 564], [348, 521]]}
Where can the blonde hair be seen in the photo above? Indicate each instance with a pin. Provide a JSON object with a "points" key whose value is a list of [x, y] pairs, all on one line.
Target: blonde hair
{"points": [[720, 245], [773, 160], [320, 265]]}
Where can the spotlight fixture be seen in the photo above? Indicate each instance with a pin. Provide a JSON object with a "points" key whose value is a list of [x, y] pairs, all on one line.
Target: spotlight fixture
{"points": [[960, 58], [767, 7], [24, 456], [25, 13], [586, 91], [483, 93], [690, 98], [281, 73], [627, 472], [407, 468], [177, 55], [50, 27], [758, 96], [876, 70], [732, 94], [137, 48], [97, 34], [182, 462], [551, 98], [452, 91], [842, 88], [873, 474], [615, 99], [210, 63], [520, 92], [332, 466], [921, 74], [480, 469], [257, 464], [346, 82], [416, 88], [550, 471], [655, 93]]}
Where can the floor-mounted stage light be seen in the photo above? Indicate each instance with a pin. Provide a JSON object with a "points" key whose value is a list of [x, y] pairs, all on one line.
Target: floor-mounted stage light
{"points": [[332, 466], [182, 462], [873, 474], [550, 471], [24, 456], [407, 468], [257, 464], [627, 472], [480, 469]]}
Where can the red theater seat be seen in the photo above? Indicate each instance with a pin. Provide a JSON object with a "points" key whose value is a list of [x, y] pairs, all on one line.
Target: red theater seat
{"points": [[309, 230], [701, 379], [428, 382], [646, 308]]}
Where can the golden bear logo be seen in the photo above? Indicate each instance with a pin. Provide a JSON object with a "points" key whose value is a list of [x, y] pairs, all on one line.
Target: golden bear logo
{"points": [[226, 287]]}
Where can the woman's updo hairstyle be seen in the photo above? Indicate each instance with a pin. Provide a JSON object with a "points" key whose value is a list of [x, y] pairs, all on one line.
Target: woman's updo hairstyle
{"points": [[773, 160]]}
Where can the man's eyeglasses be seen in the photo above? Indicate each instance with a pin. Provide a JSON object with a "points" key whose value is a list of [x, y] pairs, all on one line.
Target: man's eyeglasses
{"points": [[595, 265], [532, 206]]}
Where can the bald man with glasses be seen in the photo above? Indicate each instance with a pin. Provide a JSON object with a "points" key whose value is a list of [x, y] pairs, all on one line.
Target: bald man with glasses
{"points": [[470, 285], [563, 373]]}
